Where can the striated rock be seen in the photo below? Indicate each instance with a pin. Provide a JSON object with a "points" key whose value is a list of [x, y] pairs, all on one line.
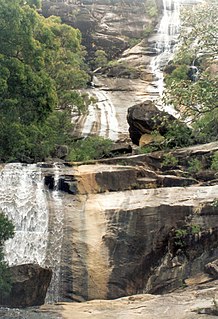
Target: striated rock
{"points": [[117, 243], [29, 286], [126, 232]]}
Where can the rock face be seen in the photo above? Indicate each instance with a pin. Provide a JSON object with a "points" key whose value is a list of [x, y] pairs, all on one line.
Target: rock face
{"points": [[130, 225], [29, 287], [104, 24], [127, 234]]}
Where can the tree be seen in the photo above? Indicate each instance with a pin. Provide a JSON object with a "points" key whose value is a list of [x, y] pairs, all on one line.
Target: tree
{"points": [[197, 94], [41, 68], [6, 232]]}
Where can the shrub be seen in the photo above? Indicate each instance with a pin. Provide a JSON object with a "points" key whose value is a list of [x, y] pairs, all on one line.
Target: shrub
{"points": [[6, 232], [169, 160], [214, 163], [90, 148], [195, 166]]}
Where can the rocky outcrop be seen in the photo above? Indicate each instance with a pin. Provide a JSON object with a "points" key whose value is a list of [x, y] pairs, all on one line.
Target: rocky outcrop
{"points": [[212, 269], [106, 25], [29, 286], [120, 226], [134, 229]]}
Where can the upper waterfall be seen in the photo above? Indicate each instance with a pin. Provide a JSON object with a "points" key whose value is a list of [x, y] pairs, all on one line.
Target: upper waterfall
{"points": [[166, 38]]}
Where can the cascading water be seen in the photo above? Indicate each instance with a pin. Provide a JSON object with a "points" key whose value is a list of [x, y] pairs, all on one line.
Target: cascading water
{"points": [[164, 46], [23, 200], [55, 238], [38, 223]]}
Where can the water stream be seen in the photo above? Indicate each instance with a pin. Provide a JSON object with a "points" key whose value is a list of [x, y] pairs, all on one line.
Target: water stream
{"points": [[38, 218], [167, 35]]}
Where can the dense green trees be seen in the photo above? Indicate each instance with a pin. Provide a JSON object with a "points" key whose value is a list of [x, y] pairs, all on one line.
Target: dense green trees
{"points": [[41, 68], [6, 232], [197, 95]]}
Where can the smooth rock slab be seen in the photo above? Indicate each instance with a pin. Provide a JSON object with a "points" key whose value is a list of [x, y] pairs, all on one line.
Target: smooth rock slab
{"points": [[181, 305]]}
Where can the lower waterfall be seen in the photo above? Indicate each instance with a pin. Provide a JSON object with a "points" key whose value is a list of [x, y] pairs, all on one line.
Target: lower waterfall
{"points": [[38, 221]]}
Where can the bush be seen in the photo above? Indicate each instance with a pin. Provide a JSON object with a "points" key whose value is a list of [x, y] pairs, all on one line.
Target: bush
{"points": [[195, 166], [90, 148], [6, 232], [169, 160], [214, 163]]}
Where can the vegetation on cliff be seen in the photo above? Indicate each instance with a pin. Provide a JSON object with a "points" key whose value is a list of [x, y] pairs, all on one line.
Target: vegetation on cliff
{"points": [[6, 232], [42, 66], [192, 81]]}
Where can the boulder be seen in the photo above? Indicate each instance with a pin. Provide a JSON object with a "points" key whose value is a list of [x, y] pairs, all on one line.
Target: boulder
{"points": [[29, 286], [144, 118], [212, 269]]}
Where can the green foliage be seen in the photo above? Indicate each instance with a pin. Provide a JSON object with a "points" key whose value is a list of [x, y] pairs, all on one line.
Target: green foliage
{"points": [[148, 30], [197, 99], [194, 165], [214, 163], [151, 8], [41, 68], [148, 149], [179, 73], [6, 229], [195, 229], [28, 143], [180, 234], [100, 58], [133, 41], [169, 160], [178, 135], [6, 232], [90, 148], [215, 203]]}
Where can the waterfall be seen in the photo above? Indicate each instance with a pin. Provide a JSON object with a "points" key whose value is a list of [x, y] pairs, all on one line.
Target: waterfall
{"points": [[55, 238], [164, 46], [38, 221], [23, 200]]}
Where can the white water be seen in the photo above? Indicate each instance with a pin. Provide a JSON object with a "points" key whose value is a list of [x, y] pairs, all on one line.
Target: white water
{"points": [[167, 37], [55, 239], [38, 225], [23, 200]]}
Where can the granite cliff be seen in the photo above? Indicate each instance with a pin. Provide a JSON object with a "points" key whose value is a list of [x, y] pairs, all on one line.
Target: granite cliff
{"points": [[138, 225]]}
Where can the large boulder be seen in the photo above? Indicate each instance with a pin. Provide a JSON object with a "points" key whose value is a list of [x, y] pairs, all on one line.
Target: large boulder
{"points": [[144, 118], [30, 284]]}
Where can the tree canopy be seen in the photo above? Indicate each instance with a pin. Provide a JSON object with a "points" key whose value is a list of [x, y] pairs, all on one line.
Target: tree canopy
{"points": [[41, 68], [192, 82]]}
